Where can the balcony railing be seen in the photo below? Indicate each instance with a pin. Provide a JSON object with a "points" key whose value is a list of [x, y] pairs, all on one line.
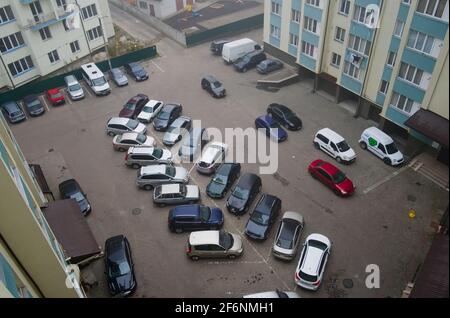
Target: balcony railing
{"points": [[45, 19]]}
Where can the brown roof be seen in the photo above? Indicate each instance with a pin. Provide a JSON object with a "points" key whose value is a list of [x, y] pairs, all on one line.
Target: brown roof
{"points": [[431, 125]]}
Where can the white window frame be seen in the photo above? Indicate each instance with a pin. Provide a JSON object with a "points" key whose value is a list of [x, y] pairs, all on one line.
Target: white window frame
{"points": [[45, 33], [384, 87], [89, 11], [8, 13], [430, 8], [276, 8], [404, 103], [359, 45], [310, 25], [398, 28], [293, 39], [295, 16], [394, 57], [14, 41], [53, 56], [407, 2], [75, 46], [95, 33], [339, 35], [275, 31], [351, 70], [344, 7], [314, 3], [335, 59], [421, 46], [309, 49], [21, 66]]}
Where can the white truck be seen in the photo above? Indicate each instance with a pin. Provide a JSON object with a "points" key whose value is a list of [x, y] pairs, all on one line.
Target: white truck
{"points": [[234, 50]]}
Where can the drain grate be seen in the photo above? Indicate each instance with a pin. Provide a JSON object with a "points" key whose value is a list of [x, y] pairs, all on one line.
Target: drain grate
{"points": [[348, 283], [136, 211]]}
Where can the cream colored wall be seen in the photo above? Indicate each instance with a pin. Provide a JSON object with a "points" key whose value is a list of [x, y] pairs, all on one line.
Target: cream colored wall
{"points": [[266, 29], [285, 23]]}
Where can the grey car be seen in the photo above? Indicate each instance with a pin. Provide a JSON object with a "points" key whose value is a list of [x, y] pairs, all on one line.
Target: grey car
{"points": [[118, 77], [166, 194], [269, 65], [74, 88], [33, 105], [13, 112], [145, 156], [151, 176], [288, 236], [120, 125], [177, 130], [192, 146]]}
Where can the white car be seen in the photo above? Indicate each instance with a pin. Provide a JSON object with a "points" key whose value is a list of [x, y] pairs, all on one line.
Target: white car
{"points": [[334, 145], [312, 262], [151, 176], [120, 125], [127, 140], [212, 157], [150, 110], [273, 294], [380, 144]]}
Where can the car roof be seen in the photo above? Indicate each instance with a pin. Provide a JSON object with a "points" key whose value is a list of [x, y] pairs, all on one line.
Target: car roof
{"points": [[130, 136], [239, 42], [225, 167], [70, 79], [179, 121], [312, 260], [254, 53], [379, 135], [29, 98], [170, 188], [153, 102], [115, 245], [266, 118], [266, 202], [331, 134], [141, 150], [210, 78], [204, 237], [330, 168], [153, 169], [53, 90], [118, 120], [169, 107], [211, 151], [68, 185], [292, 216], [247, 179]]}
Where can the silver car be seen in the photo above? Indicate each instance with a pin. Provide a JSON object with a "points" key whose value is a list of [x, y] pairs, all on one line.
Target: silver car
{"points": [[74, 89], [150, 110], [144, 156], [288, 236], [176, 194], [127, 140], [177, 130], [212, 157], [150, 176], [118, 77], [273, 294], [214, 244], [120, 125]]}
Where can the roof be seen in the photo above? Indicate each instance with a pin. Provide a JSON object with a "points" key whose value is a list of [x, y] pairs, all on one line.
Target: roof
{"points": [[431, 125], [53, 91], [92, 70], [170, 188], [153, 102], [328, 167], [141, 150], [210, 78], [129, 136], [331, 134], [179, 121], [204, 237], [153, 169], [266, 203], [293, 216], [239, 42], [379, 134], [312, 260], [247, 179], [118, 120], [210, 153]]}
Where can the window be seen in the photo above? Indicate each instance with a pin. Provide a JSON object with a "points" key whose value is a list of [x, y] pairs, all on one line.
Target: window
{"points": [[408, 2], [293, 39], [344, 7], [308, 49], [20, 66], [6, 14], [276, 8], [45, 33], [340, 34], [310, 24], [75, 46], [335, 59], [274, 31], [384, 87], [315, 3], [89, 11], [391, 59], [403, 103], [95, 33], [61, 3], [420, 41], [359, 45], [11, 42], [410, 73], [53, 56], [295, 15], [435, 8], [351, 70], [143, 5], [398, 30], [361, 15], [381, 147]]}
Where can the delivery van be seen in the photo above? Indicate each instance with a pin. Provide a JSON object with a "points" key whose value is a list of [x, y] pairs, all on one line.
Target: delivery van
{"points": [[234, 50]]}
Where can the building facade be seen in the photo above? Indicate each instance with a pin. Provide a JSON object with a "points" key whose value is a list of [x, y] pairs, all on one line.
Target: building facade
{"points": [[39, 37], [389, 57], [32, 262], [162, 8]]}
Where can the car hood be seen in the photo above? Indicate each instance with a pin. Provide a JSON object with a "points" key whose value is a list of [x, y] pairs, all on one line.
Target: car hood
{"points": [[103, 87], [237, 244], [121, 79], [215, 188], [167, 155], [140, 128], [170, 137], [84, 205], [122, 283], [278, 133], [78, 92], [181, 173], [284, 251], [218, 89], [192, 192], [236, 203], [398, 156], [160, 123], [145, 116], [239, 64], [149, 142], [140, 73], [256, 229], [125, 112], [346, 185], [216, 215], [349, 154]]}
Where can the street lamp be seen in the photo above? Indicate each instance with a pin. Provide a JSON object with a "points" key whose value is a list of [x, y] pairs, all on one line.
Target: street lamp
{"points": [[104, 41], [84, 30]]}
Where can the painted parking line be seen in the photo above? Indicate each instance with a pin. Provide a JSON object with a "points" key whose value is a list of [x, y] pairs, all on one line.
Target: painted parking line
{"points": [[45, 103], [157, 66], [67, 97], [86, 89], [386, 179]]}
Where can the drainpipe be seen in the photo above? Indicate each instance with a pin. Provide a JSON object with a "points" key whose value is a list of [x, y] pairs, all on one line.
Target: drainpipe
{"points": [[323, 48]]}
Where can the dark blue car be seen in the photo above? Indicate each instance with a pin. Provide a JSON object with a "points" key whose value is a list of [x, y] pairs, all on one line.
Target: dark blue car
{"points": [[271, 127], [194, 217]]}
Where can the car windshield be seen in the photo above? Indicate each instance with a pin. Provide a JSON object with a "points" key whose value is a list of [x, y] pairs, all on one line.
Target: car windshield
{"points": [[343, 146], [217, 84], [99, 81], [132, 124], [148, 109], [77, 196], [220, 179], [391, 148], [157, 153], [260, 218], [170, 171], [164, 115], [339, 177], [317, 244], [57, 95], [130, 106], [119, 268], [205, 213], [173, 130], [136, 68], [245, 59], [141, 138], [74, 87], [240, 193], [308, 278], [117, 72], [226, 240], [34, 103]]}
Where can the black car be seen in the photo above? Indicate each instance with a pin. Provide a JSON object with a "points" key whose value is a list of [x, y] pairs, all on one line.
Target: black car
{"points": [[119, 267], [33, 105], [70, 189], [284, 116], [194, 217], [167, 116], [263, 216], [268, 66], [243, 194], [217, 46], [225, 176], [213, 86], [136, 71], [249, 61]]}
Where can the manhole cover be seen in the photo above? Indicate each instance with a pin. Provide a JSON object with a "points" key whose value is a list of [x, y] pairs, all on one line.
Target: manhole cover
{"points": [[348, 283], [50, 150], [136, 211], [411, 198], [418, 184]]}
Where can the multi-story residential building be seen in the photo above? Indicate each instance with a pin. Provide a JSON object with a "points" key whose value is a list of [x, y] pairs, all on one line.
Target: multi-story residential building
{"points": [[32, 262], [162, 9], [38, 37], [389, 57]]}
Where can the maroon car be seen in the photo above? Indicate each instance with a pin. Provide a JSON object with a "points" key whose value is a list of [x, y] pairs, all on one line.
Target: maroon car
{"points": [[134, 106], [332, 177]]}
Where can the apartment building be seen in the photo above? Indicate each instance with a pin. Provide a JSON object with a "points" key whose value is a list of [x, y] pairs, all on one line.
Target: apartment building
{"points": [[162, 8], [32, 262], [38, 37], [389, 57]]}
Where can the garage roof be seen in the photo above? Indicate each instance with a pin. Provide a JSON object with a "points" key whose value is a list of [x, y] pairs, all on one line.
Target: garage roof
{"points": [[431, 125]]}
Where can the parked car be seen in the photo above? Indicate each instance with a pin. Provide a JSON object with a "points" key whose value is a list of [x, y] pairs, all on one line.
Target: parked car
{"points": [[150, 176], [263, 216], [273, 294], [119, 267], [127, 140], [74, 88], [55, 96], [167, 116], [177, 130], [269, 65], [334, 145], [212, 157], [194, 217], [213, 86], [380, 144], [312, 262], [95, 79], [136, 71], [217, 46], [70, 189], [119, 125], [150, 110], [232, 51], [144, 156], [284, 116], [332, 177], [225, 176], [13, 112], [134, 106], [33, 105], [288, 235], [249, 61], [271, 128], [243, 194], [175, 194], [118, 77], [214, 244], [192, 146]]}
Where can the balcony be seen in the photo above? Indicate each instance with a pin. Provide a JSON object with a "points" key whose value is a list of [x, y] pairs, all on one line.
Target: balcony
{"points": [[41, 21]]}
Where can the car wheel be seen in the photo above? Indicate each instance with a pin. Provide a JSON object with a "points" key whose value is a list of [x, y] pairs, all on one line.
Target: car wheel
{"points": [[316, 145], [178, 230], [338, 159], [148, 187], [194, 258], [387, 161], [337, 192], [161, 205], [135, 166], [363, 145], [121, 149], [111, 134], [244, 70]]}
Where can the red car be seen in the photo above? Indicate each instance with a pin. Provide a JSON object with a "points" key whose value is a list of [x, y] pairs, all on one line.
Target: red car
{"points": [[55, 96], [134, 106], [332, 177]]}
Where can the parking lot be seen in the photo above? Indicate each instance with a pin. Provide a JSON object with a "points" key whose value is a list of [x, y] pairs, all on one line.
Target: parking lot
{"points": [[372, 227]]}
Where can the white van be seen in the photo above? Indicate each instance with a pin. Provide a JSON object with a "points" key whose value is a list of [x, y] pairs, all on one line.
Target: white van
{"points": [[334, 145], [95, 79], [234, 50], [377, 142]]}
